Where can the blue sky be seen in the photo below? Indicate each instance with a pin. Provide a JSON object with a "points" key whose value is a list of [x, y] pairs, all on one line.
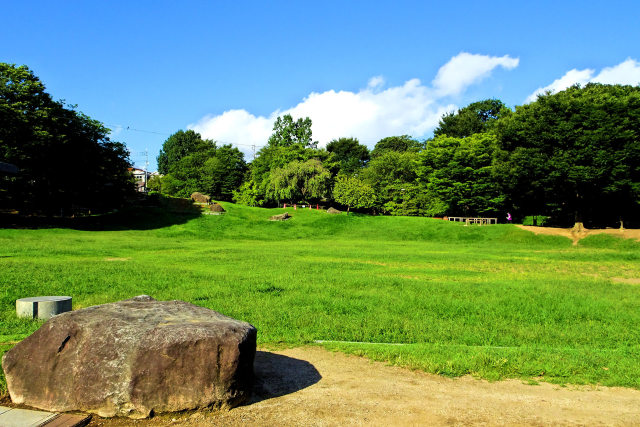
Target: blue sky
{"points": [[364, 69]]}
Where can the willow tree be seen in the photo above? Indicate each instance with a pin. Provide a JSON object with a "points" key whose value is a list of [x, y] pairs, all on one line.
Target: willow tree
{"points": [[299, 181]]}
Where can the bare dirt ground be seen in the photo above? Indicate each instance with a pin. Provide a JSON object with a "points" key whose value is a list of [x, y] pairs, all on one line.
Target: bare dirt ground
{"points": [[577, 234], [310, 386]]}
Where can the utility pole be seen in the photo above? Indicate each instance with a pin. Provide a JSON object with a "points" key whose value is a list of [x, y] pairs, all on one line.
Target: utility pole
{"points": [[146, 168], [253, 147]]}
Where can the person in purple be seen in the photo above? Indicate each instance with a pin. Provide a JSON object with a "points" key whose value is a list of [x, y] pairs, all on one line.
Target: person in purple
{"points": [[508, 217]]}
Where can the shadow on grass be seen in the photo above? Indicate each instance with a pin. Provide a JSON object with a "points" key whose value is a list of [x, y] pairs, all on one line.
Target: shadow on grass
{"points": [[278, 375], [129, 218]]}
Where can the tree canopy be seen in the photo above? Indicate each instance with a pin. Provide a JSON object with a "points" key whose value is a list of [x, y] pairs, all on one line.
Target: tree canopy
{"points": [[287, 132], [291, 141], [396, 143], [192, 164], [65, 158], [177, 146], [474, 118], [347, 155], [575, 154], [352, 192], [459, 177], [570, 156], [305, 181]]}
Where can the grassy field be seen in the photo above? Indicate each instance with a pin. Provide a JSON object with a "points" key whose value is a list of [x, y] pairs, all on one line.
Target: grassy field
{"points": [[492, 301]]}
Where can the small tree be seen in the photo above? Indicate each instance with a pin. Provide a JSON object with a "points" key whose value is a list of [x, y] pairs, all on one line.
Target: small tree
{"points": [[352, 192]]}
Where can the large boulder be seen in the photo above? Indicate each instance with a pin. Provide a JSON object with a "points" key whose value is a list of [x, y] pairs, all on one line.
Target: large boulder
{"points": [[282, 217], [333, 211], [133, 358], [216, 207], [200, 198]]}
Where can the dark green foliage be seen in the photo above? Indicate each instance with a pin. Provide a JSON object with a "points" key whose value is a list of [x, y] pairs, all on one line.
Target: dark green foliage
{"points": [[568, 156], [459, 177], [398, 144], [192, 164], [346, 156], [574, 155], [537, 220], [393, 176], [178, 146], [66, 159], [290, 142], [474, 118]]}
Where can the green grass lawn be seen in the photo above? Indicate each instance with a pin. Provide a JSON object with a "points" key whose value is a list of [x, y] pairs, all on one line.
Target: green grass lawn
{"points": [[491, 301]]}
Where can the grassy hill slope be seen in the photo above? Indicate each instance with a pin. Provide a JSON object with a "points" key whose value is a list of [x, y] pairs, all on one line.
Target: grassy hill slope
{"points": [[493, 301]]}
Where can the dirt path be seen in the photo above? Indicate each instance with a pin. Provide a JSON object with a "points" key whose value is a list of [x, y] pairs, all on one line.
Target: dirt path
{"points": [[576, 235], [313, 387]]}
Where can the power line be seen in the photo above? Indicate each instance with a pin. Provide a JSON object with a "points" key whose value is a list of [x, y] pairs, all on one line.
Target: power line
{"points": [[138, 130], [253, 146]]}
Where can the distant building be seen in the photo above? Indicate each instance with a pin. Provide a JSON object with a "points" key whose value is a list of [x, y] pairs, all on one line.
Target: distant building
{"points": [[142, 178]]}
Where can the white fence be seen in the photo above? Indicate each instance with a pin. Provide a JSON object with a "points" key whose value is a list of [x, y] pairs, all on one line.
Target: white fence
{"points": [[470, 220]]}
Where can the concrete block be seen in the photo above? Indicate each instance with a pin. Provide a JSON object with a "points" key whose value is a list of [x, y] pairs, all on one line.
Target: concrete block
{"points": [[13, 417], [42, 307]]}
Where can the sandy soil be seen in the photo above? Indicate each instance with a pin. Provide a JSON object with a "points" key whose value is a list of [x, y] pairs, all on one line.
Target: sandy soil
{"points": [[313, 387], [576, 235]]}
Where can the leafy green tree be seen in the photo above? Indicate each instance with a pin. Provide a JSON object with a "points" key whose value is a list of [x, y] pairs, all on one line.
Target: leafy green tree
{"points": [[574, 155], [474, 118], [300, 181], [65, 158], [209, 169], [347, 155], [287, 132], [459, 176], [223, 172], [155, 183], [393, 174], [290, 142], [248, 194], [179, 145], [398, 144], [353, 192]]}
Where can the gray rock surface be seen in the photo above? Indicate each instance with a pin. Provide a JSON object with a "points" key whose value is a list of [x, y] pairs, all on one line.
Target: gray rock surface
{"points": [[282, 217], [133, 358], [333, 211]]}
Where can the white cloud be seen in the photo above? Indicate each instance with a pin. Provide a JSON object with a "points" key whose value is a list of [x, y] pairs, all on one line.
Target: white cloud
{"points": [[375, 82], [466, 69], [236, 127], [368, 114], [626, 73]]}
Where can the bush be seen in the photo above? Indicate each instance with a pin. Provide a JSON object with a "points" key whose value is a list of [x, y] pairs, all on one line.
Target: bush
{"points": [[539, 220]]}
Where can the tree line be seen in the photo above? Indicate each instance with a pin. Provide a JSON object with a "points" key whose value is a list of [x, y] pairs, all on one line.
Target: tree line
{"points": [[570, 157], [59, 158]]}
